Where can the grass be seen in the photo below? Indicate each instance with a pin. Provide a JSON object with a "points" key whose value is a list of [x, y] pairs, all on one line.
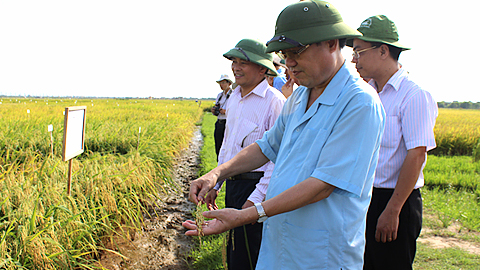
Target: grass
{"points": [[447, 258]]}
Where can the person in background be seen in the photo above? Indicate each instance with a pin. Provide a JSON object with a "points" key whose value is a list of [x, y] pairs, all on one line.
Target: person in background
{"points": [[279, 80], [394, 219], [219, 110], [290, 85], [324, 145], [252, 109]]}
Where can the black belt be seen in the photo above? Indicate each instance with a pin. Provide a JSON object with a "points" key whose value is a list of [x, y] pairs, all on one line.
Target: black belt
{"points": [[248, 176], [222, 120]]}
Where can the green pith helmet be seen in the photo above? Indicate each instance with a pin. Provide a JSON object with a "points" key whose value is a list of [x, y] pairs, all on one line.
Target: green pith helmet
{"points": [[379, 29], [308, 22], [253, 51]]}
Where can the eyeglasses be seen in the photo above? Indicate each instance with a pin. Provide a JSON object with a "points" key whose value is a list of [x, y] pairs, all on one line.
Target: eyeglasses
{"points": [[292, 54], [356, 54]]}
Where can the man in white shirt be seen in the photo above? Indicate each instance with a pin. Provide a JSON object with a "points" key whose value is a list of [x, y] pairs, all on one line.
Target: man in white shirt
{"points": [[252, 109], [394, 218]]}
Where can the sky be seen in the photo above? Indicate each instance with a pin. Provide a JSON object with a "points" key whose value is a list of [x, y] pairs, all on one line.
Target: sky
{"points": [[159, 48]]}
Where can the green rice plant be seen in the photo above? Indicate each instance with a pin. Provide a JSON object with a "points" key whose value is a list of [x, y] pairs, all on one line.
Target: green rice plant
{"points": [[452, 190], [459, 172], [476, 151]]}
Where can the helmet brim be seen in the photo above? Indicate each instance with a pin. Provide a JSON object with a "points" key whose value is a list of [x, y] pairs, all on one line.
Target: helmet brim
{"points": [[254, 58]]}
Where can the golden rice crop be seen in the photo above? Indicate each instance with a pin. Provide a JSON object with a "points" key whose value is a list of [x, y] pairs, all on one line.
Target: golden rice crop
{"points": [[457, 131], [113, 181]]}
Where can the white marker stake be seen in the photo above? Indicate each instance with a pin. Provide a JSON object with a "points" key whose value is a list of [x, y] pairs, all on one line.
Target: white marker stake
{"points": [[50, 129], [138, 142]]}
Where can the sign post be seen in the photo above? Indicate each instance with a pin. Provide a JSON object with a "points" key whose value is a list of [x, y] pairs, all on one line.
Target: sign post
{"points": [[73, 137]]}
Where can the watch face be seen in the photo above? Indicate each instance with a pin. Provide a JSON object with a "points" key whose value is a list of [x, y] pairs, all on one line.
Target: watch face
{"points": [[262, 219]]}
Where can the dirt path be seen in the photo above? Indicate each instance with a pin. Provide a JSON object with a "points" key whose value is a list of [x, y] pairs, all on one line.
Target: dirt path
{"points": [[162, 244], [450, 237]]}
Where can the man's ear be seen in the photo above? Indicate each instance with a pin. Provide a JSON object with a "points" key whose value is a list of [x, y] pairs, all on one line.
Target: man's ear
{"points": [[384, 51], [333, 44]]}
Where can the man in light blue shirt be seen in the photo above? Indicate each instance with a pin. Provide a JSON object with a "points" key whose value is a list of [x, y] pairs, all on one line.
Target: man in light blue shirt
{"points": [[324, 145]]}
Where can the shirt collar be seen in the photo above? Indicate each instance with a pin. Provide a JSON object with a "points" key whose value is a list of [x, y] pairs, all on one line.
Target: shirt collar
{"points": [[259, 90], [394, 82]]}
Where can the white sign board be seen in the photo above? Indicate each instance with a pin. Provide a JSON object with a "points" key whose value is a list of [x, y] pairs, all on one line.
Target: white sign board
{"points": [[74, 131]]}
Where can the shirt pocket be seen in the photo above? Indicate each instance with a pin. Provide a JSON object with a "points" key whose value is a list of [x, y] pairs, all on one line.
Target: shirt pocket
{"points": [[247, 133], [393, 132], [307, 247]]}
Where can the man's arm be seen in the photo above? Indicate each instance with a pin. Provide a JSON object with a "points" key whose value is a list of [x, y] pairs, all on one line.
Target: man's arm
{"points": [[306, 192], [387, 224], [250, 158]]}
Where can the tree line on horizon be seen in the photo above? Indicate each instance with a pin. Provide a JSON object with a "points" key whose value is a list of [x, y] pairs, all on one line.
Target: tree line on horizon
{"points": [[459, 105]]}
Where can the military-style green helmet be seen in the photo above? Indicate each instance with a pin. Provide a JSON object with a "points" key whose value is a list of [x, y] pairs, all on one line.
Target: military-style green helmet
{"points": [[253, 51], [308, 22], [381, 29]]}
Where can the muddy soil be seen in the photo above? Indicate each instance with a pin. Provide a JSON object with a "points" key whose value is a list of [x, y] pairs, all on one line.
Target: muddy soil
{"points": [[161, 244]]}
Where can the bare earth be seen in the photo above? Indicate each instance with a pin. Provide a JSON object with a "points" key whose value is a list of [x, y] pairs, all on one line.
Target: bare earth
{"points": [[442, 238], [162, 244]]}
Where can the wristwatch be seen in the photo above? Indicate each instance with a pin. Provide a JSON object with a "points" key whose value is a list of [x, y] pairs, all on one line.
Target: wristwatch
{"points": [[261, 213]]}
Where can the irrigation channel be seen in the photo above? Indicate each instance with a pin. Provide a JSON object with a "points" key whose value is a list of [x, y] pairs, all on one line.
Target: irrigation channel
{"points": [[162, 244]]}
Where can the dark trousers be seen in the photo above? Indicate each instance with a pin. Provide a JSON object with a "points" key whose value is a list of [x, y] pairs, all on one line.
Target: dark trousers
{"points": [[400, 253], [218, 134], [238, 256]]}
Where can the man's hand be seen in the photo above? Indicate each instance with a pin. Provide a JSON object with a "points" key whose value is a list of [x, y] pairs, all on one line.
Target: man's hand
{"points": [[210, 200], [200, 187], [387, 224], [247, 204], [287, 88], [222, 221], [387, 227]]}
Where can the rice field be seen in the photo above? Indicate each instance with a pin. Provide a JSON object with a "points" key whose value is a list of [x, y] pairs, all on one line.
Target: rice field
{"points": [[129, 148], [457, 132]]}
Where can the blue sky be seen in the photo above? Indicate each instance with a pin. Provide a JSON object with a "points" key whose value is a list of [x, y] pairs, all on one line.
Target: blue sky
{"points": [[174, 48]]}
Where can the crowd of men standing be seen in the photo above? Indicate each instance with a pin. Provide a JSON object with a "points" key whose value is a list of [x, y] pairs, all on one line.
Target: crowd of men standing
{"points": [[329, 178]]}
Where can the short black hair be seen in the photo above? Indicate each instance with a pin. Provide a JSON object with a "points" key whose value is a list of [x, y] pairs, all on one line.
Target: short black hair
{"points": [[394, 51]]}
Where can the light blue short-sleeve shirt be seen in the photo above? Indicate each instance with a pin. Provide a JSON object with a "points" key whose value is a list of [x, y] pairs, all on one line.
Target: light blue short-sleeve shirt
{"points": [[337, 141]]}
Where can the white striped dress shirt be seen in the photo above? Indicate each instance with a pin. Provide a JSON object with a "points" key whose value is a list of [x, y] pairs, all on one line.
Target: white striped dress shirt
{"points": [[248, 118], [410, 118]]}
